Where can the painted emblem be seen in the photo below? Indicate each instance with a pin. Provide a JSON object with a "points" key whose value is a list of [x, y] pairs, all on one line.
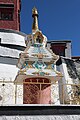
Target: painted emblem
{"points": [[39, 65]]}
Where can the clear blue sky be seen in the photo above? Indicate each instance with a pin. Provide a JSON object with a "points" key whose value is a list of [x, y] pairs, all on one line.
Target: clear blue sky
{"points": [[58, 20]]}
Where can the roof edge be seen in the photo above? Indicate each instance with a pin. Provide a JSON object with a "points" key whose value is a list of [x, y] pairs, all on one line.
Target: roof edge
{"points": [[12, 31], [61, 41]]}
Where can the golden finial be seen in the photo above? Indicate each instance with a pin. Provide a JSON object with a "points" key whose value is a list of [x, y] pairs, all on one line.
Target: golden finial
{"points": [[35, 19], [34, 11]]}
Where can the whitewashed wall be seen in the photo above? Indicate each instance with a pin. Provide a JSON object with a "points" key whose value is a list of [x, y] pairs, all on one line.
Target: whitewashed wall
{"points": [[9, 37], [8, 56], [8, 70], [70, 70], [42, 117]]}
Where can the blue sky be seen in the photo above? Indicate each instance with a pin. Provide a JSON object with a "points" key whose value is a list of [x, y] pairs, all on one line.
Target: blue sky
{"points": [[58, 20]]}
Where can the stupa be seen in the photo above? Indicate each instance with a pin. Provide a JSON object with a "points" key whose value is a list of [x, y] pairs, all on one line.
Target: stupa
{"points": [[37, 67]]}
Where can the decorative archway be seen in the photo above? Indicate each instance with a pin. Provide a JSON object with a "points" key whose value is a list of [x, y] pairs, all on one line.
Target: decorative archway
{"points": [[36, 91]]}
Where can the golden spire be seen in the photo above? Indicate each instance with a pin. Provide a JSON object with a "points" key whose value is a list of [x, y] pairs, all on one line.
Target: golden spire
{"points": [[35, 19]]}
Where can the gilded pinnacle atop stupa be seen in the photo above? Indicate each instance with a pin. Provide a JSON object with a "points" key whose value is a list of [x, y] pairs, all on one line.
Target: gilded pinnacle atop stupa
{"points": [[35, 19]]}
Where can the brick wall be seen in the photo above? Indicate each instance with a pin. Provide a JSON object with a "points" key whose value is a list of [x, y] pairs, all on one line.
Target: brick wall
{"points": [[7, 1], [15, 23]]}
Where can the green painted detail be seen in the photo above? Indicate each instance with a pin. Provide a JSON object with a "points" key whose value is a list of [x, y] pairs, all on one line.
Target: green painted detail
{"points": [[37, 45], [42, 73], [39, 50], [52, 66], [39, 65], [25, 65]]}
